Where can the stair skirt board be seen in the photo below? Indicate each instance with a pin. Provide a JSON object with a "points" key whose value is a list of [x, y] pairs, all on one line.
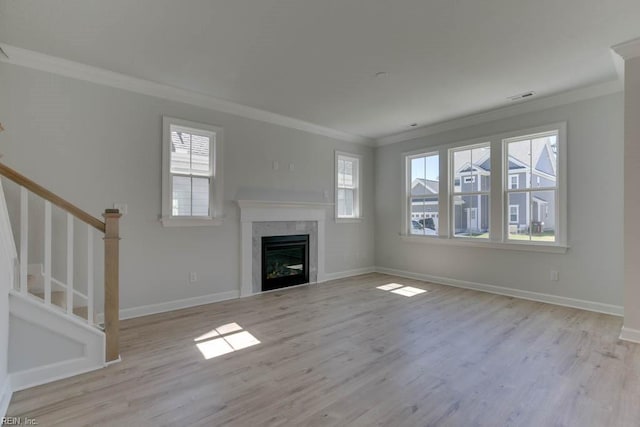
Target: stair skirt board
{"points": [[53, 372], [38, 318]]}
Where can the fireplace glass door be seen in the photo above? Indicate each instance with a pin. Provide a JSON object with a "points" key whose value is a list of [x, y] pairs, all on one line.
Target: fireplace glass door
{"points": [[285, 261]]}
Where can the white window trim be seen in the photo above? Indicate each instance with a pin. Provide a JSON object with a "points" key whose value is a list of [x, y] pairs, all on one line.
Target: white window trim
{"points": [[357, 209], [406, 191], [561, 181], [498, 238], [216, 197]]}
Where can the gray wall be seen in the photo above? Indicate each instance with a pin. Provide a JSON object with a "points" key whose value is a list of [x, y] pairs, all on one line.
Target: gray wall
{"points": [[592, 267], [632, 197], [95, 145]]}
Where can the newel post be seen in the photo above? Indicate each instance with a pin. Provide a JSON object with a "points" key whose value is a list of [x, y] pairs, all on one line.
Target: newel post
{"points": [[112, 283]]}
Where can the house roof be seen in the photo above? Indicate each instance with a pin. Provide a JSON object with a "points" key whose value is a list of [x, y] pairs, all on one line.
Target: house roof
{"points": [[183, 142], [424, 187], [518, 157], [519, 151]]}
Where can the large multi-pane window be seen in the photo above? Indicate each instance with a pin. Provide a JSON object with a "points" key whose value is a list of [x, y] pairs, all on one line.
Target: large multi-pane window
{"points": [[533, 159], [471, 186], [190, 173], [423, 196], [503, 189], [347, 186]]}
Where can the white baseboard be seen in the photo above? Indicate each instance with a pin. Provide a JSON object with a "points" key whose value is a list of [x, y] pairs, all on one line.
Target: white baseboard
{"points": [[145, 310], [53, 372], [5, 396], [348, 273], [631, 335], [598, 307]]}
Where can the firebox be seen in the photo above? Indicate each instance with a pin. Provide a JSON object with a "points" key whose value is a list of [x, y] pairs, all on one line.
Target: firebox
{"points": [[285, 261]]}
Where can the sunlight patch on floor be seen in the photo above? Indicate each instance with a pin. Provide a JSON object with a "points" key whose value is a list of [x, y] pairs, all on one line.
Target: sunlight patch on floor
{"points": [[224, 339], [389, 286], [407, 291]]}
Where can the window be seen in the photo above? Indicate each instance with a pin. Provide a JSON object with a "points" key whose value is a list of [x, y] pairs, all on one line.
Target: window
{"points": [[347, 186], [423, 196], [470, 200], [536, 156], [514, 182], [192, 179], [506, 190], [514, 214]]}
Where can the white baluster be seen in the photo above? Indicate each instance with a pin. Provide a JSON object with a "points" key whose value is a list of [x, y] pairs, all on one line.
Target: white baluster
{"points": [[47, 252], [24, 239], [69, 263], [90, 274]]}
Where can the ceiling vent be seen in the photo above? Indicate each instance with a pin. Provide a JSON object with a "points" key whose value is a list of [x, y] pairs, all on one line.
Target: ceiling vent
{"points": [[521, 96]]}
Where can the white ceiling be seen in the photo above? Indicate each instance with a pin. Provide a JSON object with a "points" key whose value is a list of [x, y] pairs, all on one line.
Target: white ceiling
{"points": [[315, 60]]}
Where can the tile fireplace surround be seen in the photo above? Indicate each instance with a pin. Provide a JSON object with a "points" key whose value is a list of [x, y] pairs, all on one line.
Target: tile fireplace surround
{"points": [[262, 218]]}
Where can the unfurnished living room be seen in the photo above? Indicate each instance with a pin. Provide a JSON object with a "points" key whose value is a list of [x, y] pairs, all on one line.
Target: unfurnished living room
{"points": [[320, 213]]}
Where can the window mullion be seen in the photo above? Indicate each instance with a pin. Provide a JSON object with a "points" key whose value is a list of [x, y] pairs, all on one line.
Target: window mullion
{"points": [[473, 193]]}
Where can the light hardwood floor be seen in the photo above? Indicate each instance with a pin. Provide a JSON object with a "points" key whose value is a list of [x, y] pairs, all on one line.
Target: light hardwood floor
{"points": [[345, 353]]}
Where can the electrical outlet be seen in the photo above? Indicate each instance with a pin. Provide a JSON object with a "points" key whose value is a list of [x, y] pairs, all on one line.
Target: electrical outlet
{"points": [[276, 166], [291, 167], [193, 277], [555, 276]]}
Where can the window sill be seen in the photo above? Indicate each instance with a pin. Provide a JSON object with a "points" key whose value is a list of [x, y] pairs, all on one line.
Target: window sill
{"points": [[190, 222], [348, 220], [527, 247]]}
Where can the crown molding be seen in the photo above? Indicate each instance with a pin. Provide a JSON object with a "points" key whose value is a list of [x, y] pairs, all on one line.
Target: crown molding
{"points": [[525, 107], [39, 61], [628, 50]]}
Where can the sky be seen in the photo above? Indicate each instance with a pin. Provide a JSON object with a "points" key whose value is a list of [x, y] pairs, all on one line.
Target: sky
{"points": [[425, 167]]}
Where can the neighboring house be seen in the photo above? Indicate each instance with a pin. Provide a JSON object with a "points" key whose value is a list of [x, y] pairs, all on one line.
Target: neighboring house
{"points": [[471, 212], [424, 200], [541, 216]]}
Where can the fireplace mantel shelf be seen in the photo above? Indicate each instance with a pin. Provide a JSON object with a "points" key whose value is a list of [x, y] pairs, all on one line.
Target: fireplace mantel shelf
{"points": [[256, 210], [281, 204]]}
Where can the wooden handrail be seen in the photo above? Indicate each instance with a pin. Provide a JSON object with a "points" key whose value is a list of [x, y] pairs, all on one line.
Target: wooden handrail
{"points": [[35, 188]]}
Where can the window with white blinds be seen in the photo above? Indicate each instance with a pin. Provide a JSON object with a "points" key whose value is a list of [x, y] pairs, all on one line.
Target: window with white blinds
{"points": [[191, 175], [190, 172]]}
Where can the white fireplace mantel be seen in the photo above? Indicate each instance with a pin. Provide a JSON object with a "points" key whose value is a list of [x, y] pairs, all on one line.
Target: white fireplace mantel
{"points": [[269, 211]]}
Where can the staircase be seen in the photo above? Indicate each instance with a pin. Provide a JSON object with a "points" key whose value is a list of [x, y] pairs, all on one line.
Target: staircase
{"points": [[35, 286], [53, 332]]}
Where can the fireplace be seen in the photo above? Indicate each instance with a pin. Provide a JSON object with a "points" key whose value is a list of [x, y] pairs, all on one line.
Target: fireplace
{"points": [[285, 261]]}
